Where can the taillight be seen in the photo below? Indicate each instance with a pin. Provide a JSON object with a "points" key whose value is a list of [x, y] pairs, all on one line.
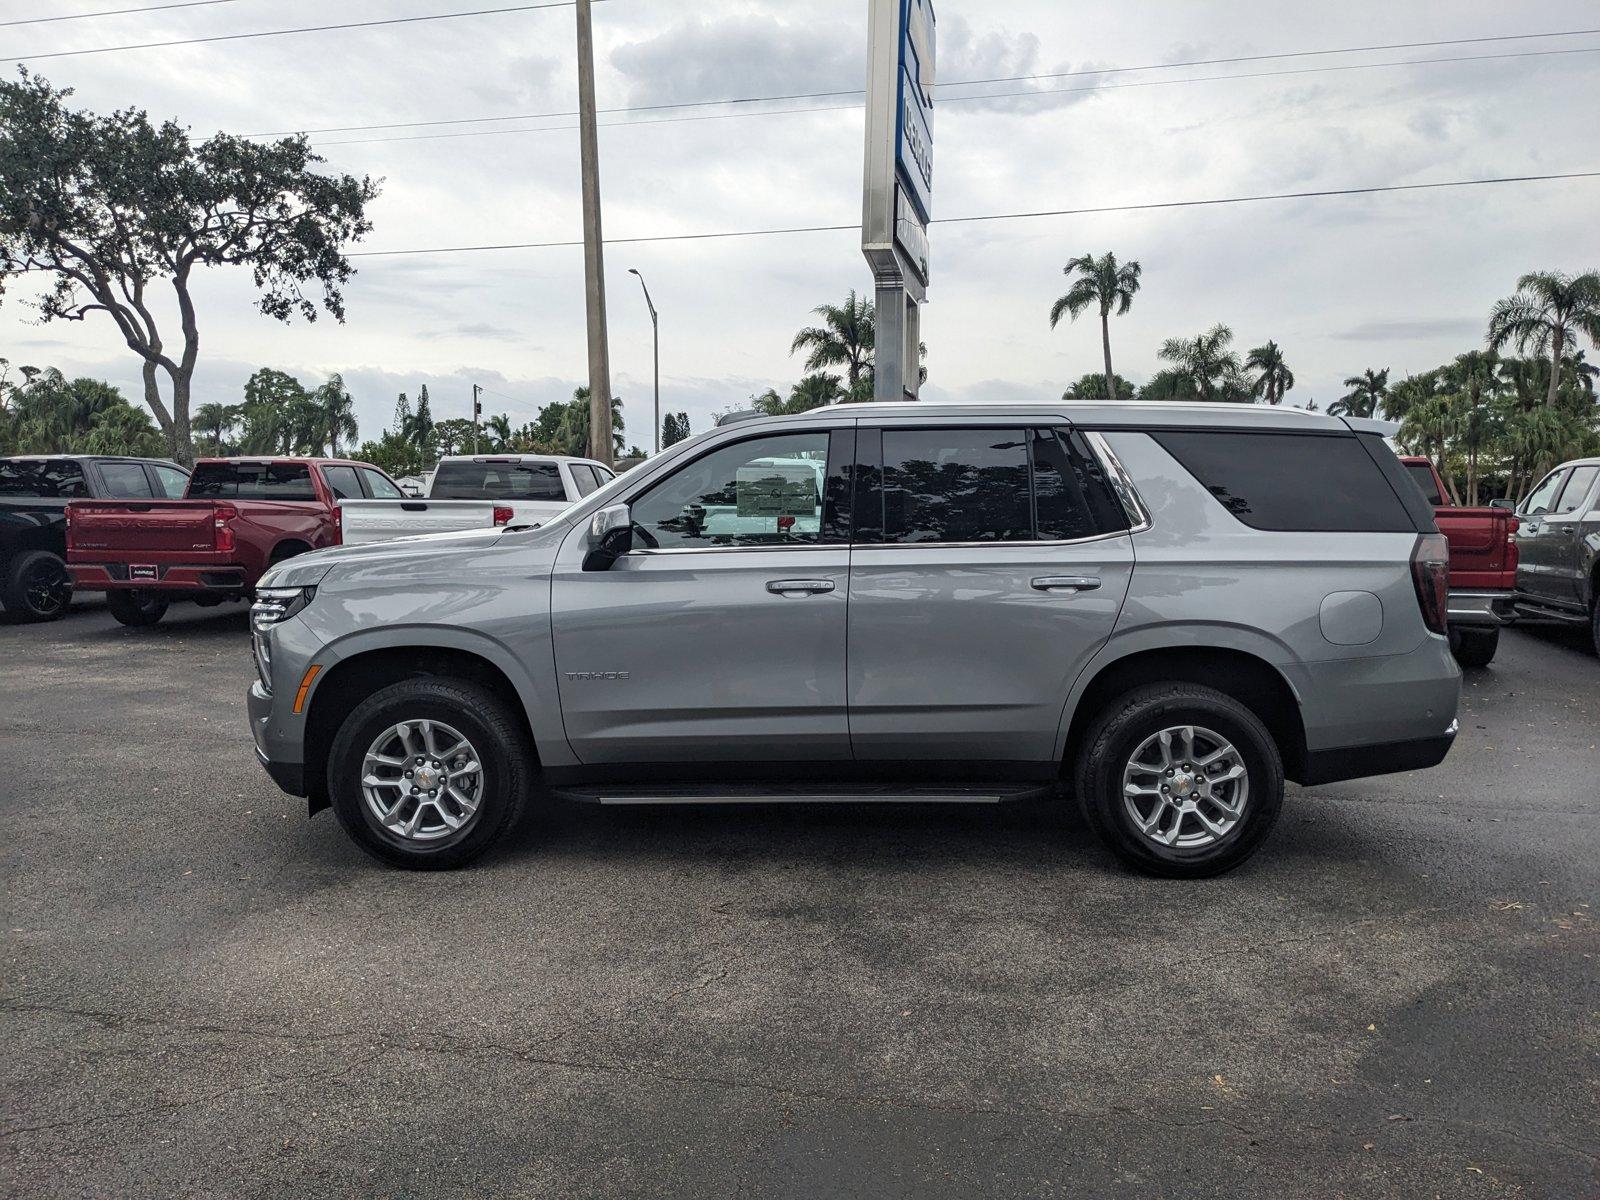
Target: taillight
{"points": [[1513, 551], [1430, 575], [225, 515], [503, 514], [338, 525]]}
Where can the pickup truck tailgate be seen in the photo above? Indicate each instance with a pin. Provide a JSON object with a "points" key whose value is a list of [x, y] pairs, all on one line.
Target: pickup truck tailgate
{"points": [[125, 530], [1482, 551], [384, 520]]}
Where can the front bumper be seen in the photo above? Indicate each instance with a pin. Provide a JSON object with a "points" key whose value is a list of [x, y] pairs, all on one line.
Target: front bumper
{"points": [[1488, 609], [289, 774]]}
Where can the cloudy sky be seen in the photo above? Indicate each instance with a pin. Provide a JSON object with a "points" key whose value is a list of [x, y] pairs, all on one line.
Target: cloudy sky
{"points": [[1403, 281]]}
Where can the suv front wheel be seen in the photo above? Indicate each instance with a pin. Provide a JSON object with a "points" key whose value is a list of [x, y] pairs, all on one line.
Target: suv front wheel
{"points": [[429, 773], [1180, 780]]}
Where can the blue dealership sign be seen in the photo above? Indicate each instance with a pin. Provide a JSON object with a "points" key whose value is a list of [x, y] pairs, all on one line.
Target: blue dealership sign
{"points": [[914, 120]]}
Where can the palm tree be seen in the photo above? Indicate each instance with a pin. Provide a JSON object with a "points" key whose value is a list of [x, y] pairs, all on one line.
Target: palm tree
{"points": [[1473, 378], [1204, 365], [844, 339], [814, 391], [338, 412], [1548, 312], [1273, 376], [499, 429], [211, 425], [1367, 391], [1106, 284]]}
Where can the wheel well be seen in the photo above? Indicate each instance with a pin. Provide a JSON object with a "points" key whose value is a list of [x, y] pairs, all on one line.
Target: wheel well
{"points": [[288, 549], [351, 681], [1252, 681]]}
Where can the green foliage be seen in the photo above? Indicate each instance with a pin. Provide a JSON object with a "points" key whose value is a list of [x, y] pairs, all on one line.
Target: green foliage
{"points": [[106, 207], [1203, 368], [1273, 378], [844, 339], [814, 391], [1369, 391], [674, 429], [1546, 317], [43, 412], [1093, 387]]}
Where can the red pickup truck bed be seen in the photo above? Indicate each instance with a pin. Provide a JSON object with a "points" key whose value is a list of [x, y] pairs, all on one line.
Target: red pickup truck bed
{"points": [[239, 516], [1483, 566]]}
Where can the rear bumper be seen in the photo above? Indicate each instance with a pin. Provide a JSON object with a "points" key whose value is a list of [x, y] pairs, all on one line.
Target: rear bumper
{"points": [[173, 577], [1482, 607], [1383, 758]]}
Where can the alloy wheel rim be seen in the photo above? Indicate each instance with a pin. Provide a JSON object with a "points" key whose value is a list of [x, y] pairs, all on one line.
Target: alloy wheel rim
{"points": [[423, 780], [46, 588], [1185, 788]]}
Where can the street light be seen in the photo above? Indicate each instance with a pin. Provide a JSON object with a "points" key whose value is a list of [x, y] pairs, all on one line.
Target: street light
{"points": [[655, 327]]}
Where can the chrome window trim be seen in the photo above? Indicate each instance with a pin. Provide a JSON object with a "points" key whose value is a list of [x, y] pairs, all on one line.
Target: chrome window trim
{"points": [[1014, 545], [1121, 482]]}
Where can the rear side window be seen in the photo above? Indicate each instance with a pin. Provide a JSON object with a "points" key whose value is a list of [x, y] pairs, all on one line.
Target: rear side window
{"points": [[173, 482], [956, 485], [342, 482], [47, 478], [491, 480], [1544, 495], [379, 485], [1071, 495], [251, 481], [126, 481], [583, 478], [1422, 475], [1292, 481], [1577, 490]]}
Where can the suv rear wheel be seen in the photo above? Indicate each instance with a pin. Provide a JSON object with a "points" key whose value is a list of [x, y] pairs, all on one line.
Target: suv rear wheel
{"points": [[429, 773], [1180, 780]]}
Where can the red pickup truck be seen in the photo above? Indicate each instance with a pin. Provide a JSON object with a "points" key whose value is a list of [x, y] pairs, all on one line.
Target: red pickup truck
{"points": [[1483, 566], [237, 518]]}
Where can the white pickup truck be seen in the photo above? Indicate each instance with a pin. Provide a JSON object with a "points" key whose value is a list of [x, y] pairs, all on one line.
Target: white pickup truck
{"points": [[477, 492]]}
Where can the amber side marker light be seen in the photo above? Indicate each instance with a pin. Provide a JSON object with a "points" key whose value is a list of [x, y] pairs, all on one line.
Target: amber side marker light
{"points": [[305, 686]]}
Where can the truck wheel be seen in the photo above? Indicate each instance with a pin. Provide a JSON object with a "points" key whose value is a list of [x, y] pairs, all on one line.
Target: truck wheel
{"points": [[429, 773], [1474, 647], [136, 608], [1180, 780], [36, 586]]}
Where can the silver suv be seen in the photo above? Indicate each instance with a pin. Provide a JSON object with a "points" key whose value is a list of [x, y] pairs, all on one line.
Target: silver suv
{"points": [[1163, 610]]}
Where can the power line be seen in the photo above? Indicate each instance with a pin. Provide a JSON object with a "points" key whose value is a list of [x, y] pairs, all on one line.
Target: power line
{"points": [[1015, 216], [946, 83], [236, 37], [1105, 87], [115, 12]]}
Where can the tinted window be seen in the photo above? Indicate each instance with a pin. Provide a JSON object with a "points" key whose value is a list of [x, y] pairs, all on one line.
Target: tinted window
{"points": [[956, 485], [171, 480], [1543, 495], [583, 478], [603, 475], [1072, 497], [471, 479], [251, 481], [379, 484], [126, 481], [52, 477], [342, 482], [1422, 473], [1292, 481], [1577, 489], [762, 492]]}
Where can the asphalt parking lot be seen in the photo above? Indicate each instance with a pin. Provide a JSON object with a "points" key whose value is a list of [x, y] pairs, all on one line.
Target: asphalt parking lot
{"points": [[206, 994]]}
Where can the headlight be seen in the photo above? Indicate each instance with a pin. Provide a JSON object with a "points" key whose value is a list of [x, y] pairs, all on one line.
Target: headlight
{"points": [[272, 607]]}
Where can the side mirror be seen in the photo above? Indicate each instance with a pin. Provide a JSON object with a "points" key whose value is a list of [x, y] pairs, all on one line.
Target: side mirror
{"points": [[1504, 505], [610, 537]]}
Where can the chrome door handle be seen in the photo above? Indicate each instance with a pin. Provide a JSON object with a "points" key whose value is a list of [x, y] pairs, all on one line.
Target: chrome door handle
{"points": [[1065, 583], [799, 587]]}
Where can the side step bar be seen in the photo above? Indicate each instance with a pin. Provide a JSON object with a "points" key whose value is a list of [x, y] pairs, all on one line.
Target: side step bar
{"points": [[820, 794], [1532, 610]]}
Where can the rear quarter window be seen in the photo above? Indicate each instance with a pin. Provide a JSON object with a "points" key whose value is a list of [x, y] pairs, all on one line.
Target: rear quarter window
{"points": [[42, 478], [1293, 482]]}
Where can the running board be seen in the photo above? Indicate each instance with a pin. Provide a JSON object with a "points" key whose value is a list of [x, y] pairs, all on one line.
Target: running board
{"points": [[822, 794], [1534, 611]]}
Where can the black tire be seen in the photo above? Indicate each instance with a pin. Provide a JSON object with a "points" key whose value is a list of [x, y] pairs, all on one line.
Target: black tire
{"points": [[497, 735], [1474, 647], [1121, 730], [136, 608], [1594, 618], [36, 586]]}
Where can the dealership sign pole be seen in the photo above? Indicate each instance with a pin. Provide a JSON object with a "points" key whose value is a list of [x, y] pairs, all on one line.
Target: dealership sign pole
{"points": [[898, 200]]}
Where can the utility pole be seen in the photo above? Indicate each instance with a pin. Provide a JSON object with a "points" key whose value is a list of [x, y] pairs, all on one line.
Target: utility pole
{"points": [[655, 329], [594, 266], [477, 414]]}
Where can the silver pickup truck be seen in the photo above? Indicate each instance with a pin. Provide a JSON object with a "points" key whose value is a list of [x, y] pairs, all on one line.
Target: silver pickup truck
{"points": [[478, 492]]}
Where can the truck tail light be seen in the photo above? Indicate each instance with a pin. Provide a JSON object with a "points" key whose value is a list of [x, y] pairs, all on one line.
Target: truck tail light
{"points": [[225, 515], [1513, 551], [503, 514], [1430, 575], [338, 525]]}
